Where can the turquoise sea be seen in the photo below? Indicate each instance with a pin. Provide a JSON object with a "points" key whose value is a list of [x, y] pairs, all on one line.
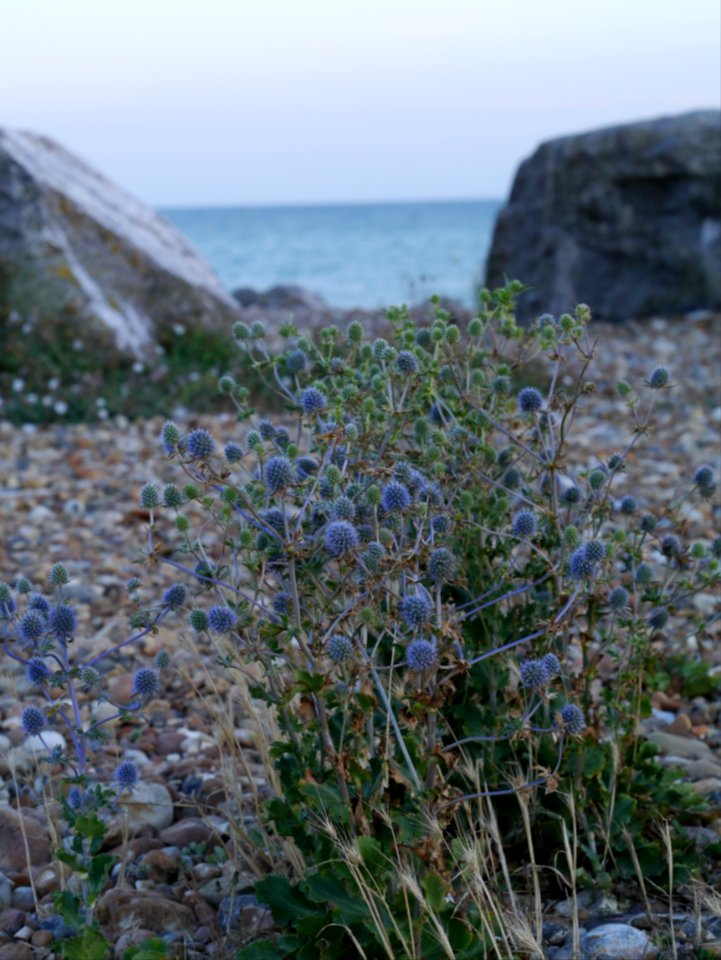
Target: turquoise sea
{"points": [[354, 255]]}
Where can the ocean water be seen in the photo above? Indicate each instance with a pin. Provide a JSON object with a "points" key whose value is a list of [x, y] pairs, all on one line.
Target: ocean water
{"points": [[354, 255]]}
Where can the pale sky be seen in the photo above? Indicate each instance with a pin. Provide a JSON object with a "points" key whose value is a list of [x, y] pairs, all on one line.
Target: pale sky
{"points": [[192, 102]]}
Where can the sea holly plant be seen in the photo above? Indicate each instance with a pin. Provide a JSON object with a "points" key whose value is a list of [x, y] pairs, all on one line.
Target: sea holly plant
{"points": [[410, 564], [38, 631]]}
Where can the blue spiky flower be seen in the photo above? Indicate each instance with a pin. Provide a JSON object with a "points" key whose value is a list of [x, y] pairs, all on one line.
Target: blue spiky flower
{"points": [[33, 721], [552, 664], [581, 566], [441, 565], [406, 362], [530, 400], [339, 648], [524, 524], [295, 362], [174, 597], [572, 720], [395, 497], [37, 671], [595, 551], [643, 574], [32, 626], [62, 621], [421, 655], [571, 495], [312, 401], [648, 523], [341, 538], [659, 378], [618, 599], [89, 676], [658, 618], [199, 444], [281, 603], [305, 467], [221, 619], [162, 660], [416, 610], [233, 452], [278, 473], [126, 775], [59, 575], [703, 476], [36, 601], [170, 436], [534, 674], [670, 546], [628, 506], [146, 682]]}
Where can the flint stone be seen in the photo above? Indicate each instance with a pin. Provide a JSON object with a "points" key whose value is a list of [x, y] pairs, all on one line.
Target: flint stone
{"points": [[150, 804], [13, 855], [626, 219], [121, 910], [74, 244], [617, 941]]}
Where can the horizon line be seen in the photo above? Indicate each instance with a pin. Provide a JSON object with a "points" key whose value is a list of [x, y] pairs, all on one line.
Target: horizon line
{"points": [[301, 204]]}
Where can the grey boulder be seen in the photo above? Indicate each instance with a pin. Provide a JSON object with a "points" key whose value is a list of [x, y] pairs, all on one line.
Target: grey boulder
{"points": [[626, 219], [76, 248]]}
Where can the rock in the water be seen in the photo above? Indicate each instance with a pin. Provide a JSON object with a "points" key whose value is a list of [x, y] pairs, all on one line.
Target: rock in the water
{"points": [[120, 910], [626, 219], [287, 297], [617, 941], [74, 244]]}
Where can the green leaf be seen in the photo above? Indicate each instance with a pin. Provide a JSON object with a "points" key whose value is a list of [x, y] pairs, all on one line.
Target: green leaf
{"points": [[100, 867], [323, 797], [67, 905], [89, 945], [90, 826], [287, 903], [151, 949], [435, 891], [261, 950], [327, 889]]}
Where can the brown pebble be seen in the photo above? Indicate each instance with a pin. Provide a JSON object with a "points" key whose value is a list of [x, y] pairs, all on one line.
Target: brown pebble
{"points": [[41, 938], [162, 867], [16, 951], [12, 920], [204, 934]]}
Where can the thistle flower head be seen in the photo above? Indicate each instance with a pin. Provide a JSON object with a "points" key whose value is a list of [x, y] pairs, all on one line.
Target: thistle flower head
{"points": [[581, 566], [703, 476], [32, 626], [524, 524], [571, 719], [648, 523], [149, 496], [198, 620], [571, 495], [170, 436], [221, 619], [33, 721], [126, 775], [628, 506], [37, 671], [643, 574], [62, 621], [658, 618], [278, 473], [530, 400], [618, 599], [172, 497], [36, 601], [416, 609], [174, 596], [22, 586], [343, 509], [421, 655], [341, 538], [295, 362], [595, 550], [339, 648], [59, 575], [512, 478], [233, 452], [312, 401], [534, 674], [395, 497], [145, 682], [659, 378], [597, 478], [441, 565], [552, 664], [281, 603], [89, 676], [162, 660], [199, 444], [406, 362], [716, 547], [305, 467], [266, 429], [670, 546]]}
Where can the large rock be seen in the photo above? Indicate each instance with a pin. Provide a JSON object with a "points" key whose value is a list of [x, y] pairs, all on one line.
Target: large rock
{"points": [[626, 219], [72, 244]]}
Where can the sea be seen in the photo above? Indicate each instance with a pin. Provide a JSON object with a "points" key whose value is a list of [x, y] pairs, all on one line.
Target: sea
{"points": [[366, 255]]}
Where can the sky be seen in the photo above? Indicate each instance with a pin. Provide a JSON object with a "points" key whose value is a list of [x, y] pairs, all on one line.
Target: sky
{"points": [[221, 102]]}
